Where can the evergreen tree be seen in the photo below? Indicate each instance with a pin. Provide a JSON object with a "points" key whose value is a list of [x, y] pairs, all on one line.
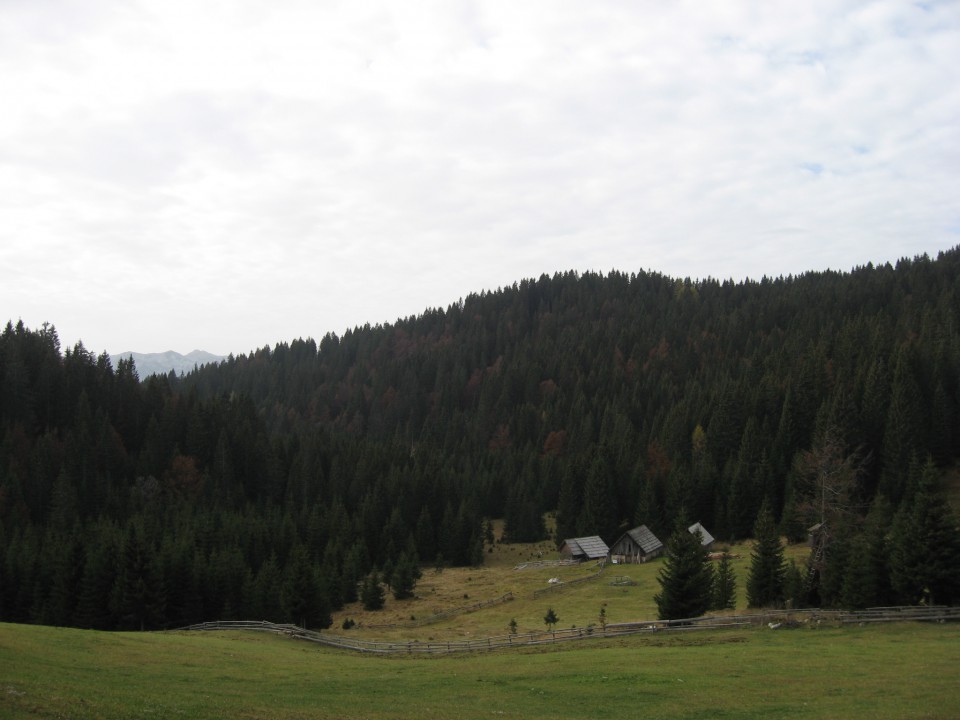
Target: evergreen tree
{"points": [[138, 600], [903, 433], [302, 598], [99, 575], [724, 585], [765, 582], [426, 538], [404, 578], [267, 603], [925, 546], [686, 578], [794, 590], [353, 570], [551, 619], [866, 576], [372, 595], [599, 514]]}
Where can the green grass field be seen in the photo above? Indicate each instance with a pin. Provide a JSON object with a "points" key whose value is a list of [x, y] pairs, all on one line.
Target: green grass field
{"points": [[577, 605], [877, 672], [890, 671]]}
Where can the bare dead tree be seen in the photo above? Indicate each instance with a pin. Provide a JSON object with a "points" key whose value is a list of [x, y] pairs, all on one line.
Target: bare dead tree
{"points": [[829, 480]]}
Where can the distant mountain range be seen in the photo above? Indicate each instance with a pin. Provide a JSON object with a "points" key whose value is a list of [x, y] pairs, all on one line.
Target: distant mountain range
{"points": [[162, 363]]}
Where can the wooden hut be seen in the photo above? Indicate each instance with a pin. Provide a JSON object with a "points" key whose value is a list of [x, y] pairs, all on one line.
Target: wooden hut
{"points": [[636, 546], [585, 548], [707, 539]]}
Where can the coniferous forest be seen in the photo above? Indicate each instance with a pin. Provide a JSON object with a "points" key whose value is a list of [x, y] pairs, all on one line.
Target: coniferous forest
{"points": [[272, 485]]}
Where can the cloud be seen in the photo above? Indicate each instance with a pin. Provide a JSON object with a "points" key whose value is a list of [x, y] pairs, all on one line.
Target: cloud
{"points": [[239, 175]]}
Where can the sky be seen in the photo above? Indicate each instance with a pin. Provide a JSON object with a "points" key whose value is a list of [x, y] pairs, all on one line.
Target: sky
{"points": [[226, 175]]}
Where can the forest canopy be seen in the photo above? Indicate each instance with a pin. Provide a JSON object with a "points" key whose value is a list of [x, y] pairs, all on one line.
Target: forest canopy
{"points": [[273, 484]]}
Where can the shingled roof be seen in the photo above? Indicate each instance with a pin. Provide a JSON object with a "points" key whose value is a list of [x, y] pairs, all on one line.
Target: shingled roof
{"points": [[645, 539], [707, 537], [592, 548]]}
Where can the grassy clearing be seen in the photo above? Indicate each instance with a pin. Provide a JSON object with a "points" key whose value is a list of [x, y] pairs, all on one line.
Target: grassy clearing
{"points": [[893, 671], [577, 605]]}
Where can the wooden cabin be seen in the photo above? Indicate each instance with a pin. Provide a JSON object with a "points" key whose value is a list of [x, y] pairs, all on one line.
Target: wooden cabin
{"points": [[585, 548], [707, 539], [636, 546]]}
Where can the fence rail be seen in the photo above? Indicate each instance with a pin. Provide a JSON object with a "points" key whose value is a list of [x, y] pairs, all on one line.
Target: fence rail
{"points": [[569, 583], [773, 619], [535, 564]]}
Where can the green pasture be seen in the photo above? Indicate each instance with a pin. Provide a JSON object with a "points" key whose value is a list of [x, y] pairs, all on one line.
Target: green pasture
{"points": [[576, 605], [889, 671]]}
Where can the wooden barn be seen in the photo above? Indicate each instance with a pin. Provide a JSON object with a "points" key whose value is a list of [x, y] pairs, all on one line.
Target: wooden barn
{"points": [[815, 533], [706, 537], [585, 548], [636, 546]]}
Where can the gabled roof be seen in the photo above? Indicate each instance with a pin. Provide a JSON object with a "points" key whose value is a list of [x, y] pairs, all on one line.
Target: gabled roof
{"points": [[645, 539], [592, 547], [707, 537]]}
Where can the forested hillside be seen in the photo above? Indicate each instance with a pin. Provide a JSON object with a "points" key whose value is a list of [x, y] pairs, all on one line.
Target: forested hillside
{"points": [[269, 485]]}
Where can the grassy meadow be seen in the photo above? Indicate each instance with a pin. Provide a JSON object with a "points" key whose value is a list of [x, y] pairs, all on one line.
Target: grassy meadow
{"points": [[889, 671], [578, 605]]}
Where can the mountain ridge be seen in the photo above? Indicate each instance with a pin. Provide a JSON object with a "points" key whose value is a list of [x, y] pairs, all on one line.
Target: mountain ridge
{"points": [[162, 363]]}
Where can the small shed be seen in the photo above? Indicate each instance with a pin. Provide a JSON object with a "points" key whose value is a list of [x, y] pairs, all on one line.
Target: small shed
{"points": [[706, 537], [585, 548], [636, 546], [814, 534]]}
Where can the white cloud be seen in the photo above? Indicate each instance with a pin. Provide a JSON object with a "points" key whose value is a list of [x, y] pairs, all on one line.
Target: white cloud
{"points": [[228, 175]]}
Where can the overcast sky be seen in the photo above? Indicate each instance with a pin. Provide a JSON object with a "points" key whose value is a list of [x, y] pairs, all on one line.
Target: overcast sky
{"points": [[228, 175]]}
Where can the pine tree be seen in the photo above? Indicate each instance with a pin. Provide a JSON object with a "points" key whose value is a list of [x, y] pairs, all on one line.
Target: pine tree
{"points": [[599, 514], [351, 573], [266, 600], [300, 594], [551, 619], [99, 575], [794, 590], [866, 575], [765, 582], [724, 585], [686, 578], [372, 595], [404, 578], [138, 600], [925, 546], [903, 434]]}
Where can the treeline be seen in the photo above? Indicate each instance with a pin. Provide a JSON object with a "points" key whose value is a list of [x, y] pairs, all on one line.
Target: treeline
{"points": [[128, 504], [624, 396], [613, 400]]}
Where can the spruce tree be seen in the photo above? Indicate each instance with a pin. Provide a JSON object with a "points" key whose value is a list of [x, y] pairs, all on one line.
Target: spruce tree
{"points": [[137, 599], [372, 595], [925, 546], [686, 578], [404, 578], [724, 585], [794, 590], [599, 514], [300, 594], [765, 583], [550, 619], [866, 576]]}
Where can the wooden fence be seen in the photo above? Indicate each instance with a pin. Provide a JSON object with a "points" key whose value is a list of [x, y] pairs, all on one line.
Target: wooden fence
{"points": [[773, 619], [537, 564], [561, 585]]}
